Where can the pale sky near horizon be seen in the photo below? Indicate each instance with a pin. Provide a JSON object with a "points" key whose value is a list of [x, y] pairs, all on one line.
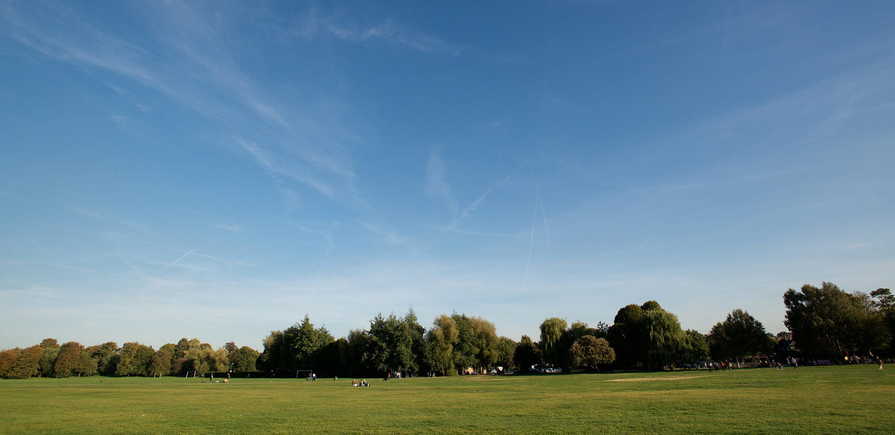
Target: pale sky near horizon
{"points": [[220, 169]]}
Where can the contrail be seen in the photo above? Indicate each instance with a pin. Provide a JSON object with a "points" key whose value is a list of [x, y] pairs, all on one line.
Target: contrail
{"points": [[185, 254]]}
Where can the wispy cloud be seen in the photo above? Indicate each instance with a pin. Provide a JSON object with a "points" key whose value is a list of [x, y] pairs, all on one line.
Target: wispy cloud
{"points": [[191, 65], [482, 233], [437, 186], [389, 236], [233, 228], [314, 24], [325, 233], [476, 203], [109, 219], [276, 168]]}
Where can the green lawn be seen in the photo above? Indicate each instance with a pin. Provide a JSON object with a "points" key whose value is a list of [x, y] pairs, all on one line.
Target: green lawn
{"points": [[805, 400]]}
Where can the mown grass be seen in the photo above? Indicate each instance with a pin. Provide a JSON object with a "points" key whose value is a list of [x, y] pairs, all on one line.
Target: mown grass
{"points": [[804, 400]]}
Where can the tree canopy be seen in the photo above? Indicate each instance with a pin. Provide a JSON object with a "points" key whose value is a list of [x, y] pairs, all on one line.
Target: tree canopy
{"points": [[738, 336]]}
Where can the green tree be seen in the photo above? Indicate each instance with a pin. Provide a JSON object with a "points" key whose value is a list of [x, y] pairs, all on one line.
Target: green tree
{"points": [[276, 357], [68, 361], [244, 360], [738, 336], [86, 365], [884, 303], [506, 349], [484, 344], [627, 337], [391, 345], [572, 334], [590, 352], [231, 349], [828, 322], [160, 364], [418, 335], [135, 360], [303, 341], [333, 359], [694, 348], [359, 361], [440, 345], [296, 348], [552, 331], [48, 358], [106, 357], [527, 354], [664, 337], [646, 336]]}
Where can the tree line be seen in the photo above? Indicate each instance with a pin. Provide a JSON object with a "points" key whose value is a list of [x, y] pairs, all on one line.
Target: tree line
{"points": [[823, 323], [187, 357]]}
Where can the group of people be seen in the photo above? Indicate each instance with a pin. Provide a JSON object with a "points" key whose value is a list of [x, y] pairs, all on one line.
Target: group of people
{"points": [[360, 383]]}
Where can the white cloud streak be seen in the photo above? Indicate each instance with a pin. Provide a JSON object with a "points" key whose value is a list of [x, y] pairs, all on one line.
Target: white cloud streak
{"points": [[315, 25], [437, 186], [233, 228], [390, 237], [195, 68]]}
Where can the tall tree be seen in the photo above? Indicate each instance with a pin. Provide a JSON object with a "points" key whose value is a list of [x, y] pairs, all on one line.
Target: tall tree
{"points": [[694, 348], [87, 365], [465, 351], [276, 357], [884, 303], [391, 346], [828, 322], [417, 334], [231, 349], [48, 358], [484, 343], [68, 361], [738, 336], [527, 354], [160, 364], [359, 361], [304, 340], [135, 360], [664, 337], [506, 348], [106, 357], [244, 360], [626, 336], [440, 344], [552, 330]]}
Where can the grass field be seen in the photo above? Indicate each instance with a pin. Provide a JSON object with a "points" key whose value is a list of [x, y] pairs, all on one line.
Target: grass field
{"points": [[804, 400]]}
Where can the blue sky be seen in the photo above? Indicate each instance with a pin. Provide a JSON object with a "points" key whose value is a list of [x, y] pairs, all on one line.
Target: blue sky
{"points": [[220, 169]]}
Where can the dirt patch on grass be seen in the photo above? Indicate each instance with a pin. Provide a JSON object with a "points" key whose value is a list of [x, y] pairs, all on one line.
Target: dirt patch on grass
{"points": [[663, 378]]}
